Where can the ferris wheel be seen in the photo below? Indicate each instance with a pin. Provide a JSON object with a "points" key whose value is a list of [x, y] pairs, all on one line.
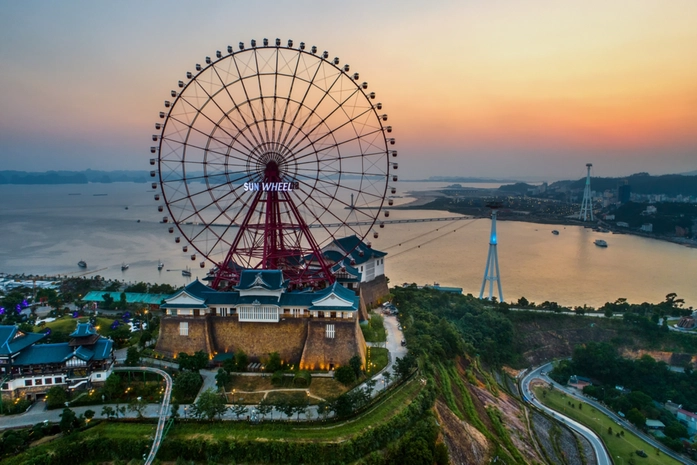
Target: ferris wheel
{"points": [[266, 155]]}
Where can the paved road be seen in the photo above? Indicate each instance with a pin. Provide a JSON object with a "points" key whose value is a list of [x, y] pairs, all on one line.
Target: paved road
{"points": [[602, 456], [620, 421]]}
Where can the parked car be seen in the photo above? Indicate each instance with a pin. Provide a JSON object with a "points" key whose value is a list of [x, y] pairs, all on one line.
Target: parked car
{"points": [[404, 342]]}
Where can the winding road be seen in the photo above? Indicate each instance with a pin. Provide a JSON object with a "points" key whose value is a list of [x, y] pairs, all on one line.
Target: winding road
{"points": [[601, 454], [598, 446]]}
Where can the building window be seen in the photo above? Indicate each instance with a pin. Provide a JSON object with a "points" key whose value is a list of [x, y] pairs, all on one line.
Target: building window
{"points": [[48, 381], [99, 375], [5, 386], [39, 382], [184, 328], [27, 382], [330, 331], [58, 380]]}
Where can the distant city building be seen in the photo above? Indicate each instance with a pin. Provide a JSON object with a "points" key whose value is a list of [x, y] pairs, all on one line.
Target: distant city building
{"points": [[29, 370], [609, 217], [647, 227], [624, 193], [651, 210], [622, 224]]}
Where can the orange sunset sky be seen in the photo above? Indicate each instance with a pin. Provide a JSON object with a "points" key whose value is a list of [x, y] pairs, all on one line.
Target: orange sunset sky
{"points": [[494, 88]]}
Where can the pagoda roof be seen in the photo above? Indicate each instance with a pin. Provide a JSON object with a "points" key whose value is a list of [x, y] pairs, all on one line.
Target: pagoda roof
{"points": [[84, 330], [271, 280], [61, 351], [356, 249], [12, 340]]}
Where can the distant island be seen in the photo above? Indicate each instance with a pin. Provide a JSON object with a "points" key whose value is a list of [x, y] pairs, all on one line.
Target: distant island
{"points": [[72, 177]]}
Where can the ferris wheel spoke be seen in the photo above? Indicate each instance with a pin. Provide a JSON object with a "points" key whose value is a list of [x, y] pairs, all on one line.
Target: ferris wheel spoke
{"points": [[188, 144], [246, 94], [333, 131], [199, 112], [261, 97], [301, 104], [337, 107]]}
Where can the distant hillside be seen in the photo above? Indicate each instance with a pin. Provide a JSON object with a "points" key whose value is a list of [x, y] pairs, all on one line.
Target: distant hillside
{"points": [[641, 183], [72, 177]]}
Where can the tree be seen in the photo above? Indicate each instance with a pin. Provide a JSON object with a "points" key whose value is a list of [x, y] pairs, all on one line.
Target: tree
{"points": [[107, 302], [274, 363], [194, 363], [68, 421], [299, 407], [222, 379], [112, 386], [356, 364], [636, 417], [288, 408], [241, 360], [145, 337], [229, 365], [345, 375], [209, 404], [56, 397], [132, 357], [186, 385], [138, 405], [264, 407], [89, 414], [140, 288], [123, 302], [370, 386], [404, 366], [387, 375], [174, 409], [238, 409], [108, 412]]}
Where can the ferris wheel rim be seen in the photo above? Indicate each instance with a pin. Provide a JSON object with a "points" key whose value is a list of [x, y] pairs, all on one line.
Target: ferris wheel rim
{"points": [[248, 133]]}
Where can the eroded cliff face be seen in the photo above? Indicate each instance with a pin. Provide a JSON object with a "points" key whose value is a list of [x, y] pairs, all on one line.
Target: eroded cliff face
{"points": [[465, 444]]}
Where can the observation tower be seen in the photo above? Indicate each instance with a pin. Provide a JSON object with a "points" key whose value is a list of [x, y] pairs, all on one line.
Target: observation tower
{"points": [[491, 271]]}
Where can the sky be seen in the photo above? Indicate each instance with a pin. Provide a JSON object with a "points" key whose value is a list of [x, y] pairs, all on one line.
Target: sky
{"points": [[495, 88]]}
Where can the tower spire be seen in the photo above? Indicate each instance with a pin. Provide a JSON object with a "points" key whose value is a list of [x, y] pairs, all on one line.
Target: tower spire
{"points": [[587, 203], [491, 272]]}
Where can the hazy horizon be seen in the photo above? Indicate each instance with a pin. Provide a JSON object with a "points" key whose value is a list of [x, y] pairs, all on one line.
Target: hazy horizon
{"points": [[482, 89]]}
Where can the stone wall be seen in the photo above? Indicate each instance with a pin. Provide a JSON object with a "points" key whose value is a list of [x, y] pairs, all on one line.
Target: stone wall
{"points": [[372, 293], [171, 343], [323, 353], [257, 340]]}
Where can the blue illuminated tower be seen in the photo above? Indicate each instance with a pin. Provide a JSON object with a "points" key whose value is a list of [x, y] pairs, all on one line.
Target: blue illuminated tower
{"points": [[491, 272], [587, 203]]}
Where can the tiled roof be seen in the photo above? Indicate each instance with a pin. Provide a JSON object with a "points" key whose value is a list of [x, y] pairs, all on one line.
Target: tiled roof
{"points": [[11, 342], [83, 330], [61, 351], [131, 297], [265, 279], [44, 353]]}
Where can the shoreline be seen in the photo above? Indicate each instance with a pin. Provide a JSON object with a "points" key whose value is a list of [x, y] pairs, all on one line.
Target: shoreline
{"points": [[423, 198]]}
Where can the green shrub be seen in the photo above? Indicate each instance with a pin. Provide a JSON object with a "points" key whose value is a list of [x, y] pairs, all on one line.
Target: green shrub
{"points": [[303, 378], [277, 378]]}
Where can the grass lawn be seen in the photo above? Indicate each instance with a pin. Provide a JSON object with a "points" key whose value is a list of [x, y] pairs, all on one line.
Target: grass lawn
{"points": [[376, 358], [67, 324], [118, 431], [326, 388], [290, 396], [379, 414], [624, 446], [374, 330]]}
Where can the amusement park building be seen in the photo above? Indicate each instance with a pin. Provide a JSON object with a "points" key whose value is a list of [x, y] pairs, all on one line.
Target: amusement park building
{"points": [[314, 329], [29, 369]]}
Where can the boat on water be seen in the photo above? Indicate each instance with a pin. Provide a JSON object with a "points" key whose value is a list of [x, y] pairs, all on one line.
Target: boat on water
{"points": [[555, 232], [160, 265], [124, 267], [82, 264], [600, 243], [186, 272]]}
